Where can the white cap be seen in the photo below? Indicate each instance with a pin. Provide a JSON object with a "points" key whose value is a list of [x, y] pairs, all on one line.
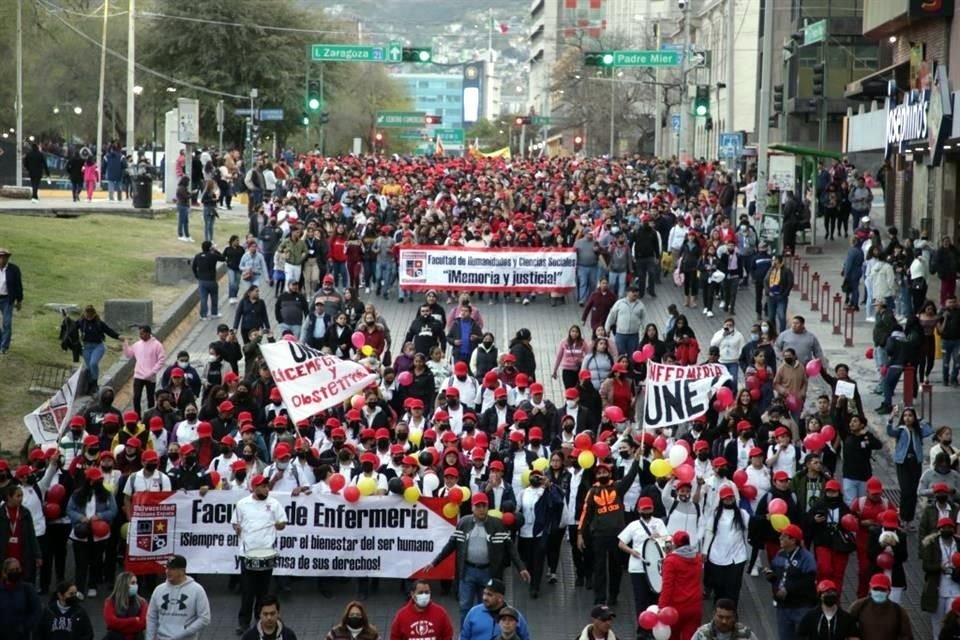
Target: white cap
{"points": [[865, 220]]}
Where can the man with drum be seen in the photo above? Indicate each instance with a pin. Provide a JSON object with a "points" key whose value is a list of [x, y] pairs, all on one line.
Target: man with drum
{"points": [[256, 519], [633, 541]]}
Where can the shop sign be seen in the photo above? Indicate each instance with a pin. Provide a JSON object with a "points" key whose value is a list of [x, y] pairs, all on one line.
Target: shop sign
{"points": [[906, 122], [939, 116]]}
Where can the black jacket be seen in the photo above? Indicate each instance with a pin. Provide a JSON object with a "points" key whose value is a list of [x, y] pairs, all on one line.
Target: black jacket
{"points": [[95, 331], [857, 451], [19, 611], [28, 539], [75, 169], [14, 283], [251, 315], [499, 546], [73, 624], [815, 626], [205, 265], [290, 308], [36, 164], [426, 333], [526, 361], [232, 256]]}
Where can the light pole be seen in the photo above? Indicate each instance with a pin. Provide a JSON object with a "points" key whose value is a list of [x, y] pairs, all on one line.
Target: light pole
{"points": [[131, 88]]}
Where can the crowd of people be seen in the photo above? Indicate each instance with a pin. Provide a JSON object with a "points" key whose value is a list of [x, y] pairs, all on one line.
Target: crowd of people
{"points": [[779, 485]]}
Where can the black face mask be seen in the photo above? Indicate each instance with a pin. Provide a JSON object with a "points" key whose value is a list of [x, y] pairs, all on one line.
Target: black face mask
{"points": [[190, 461], [367, 467], [487, 345], [71, 601], [14, 576], [191, 417], [240, 476], [703, 455], [942, 499], [355, 621], [568, 427], [402, 436], [397, 460], [344, 457], [338, 444], [942, 469], [604, 480], [501, 402], [173, 457], [150, 467], [729, 506], [76, 433], [830, 599], [515, 446], [301, 455], [107, 399], [240, 397], [226, 450], [469, 427], [536, 481], [624, 454], [946, 535]]}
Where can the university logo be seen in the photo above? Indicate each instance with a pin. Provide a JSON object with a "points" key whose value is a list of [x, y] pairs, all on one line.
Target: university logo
{"points": [[413, 264], [153, 535]]}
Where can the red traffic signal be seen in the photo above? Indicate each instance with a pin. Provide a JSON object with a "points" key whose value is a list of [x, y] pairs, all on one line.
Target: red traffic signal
{"points": [[521, 120], [577, 143], [378, 137], [429, 119]]}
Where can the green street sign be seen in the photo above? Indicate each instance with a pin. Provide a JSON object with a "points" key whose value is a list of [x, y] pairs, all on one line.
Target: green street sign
{"points": [[394, 52], [815, 32], [541, 121], [346, 53], [399, 119], [449, 136], [646, 58], [409, 135]]}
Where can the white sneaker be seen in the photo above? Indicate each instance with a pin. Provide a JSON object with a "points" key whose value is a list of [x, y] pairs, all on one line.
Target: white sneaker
{"points": [[34, 200], [232, 301], [189, 239], [91, 593], [367, 289], [180, 238], [217, 315], [755, 572], [526, 301], [723, 305], [709, 314], [704, 311], [871, 319]]}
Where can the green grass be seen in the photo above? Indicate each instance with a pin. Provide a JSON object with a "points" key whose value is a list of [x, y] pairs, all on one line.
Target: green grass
{"points": [[80, 261]]}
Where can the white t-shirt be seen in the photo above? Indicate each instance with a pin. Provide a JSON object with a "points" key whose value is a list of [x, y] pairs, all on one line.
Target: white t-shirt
{"points": [[634, 535], [139, 482], [258, 520], [528, 506]]}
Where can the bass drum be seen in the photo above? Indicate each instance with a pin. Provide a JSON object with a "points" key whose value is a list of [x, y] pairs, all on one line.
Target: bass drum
{"points": [[653, 564], [260, 560]]}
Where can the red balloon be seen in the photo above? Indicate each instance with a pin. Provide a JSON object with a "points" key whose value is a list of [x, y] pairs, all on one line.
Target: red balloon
{"points": [[52, 510], [100, 528], [639, 357], [647, 620], [684, 473], [828, 433], [748, 491], [955, 559], [849, 523], [725, 397], [814, 442], [762, 374], [405, 378], [753, 382], [407, 481], [660, 443], [755, 394], [583, 442], [740, 478], [648, 351], [869, 353], [336, 482], [793, 403], [56, 493], [214, 479], [601, 450], [883, 370], [717, 406], [669, 616], [508, 519], [455, 495], [885, 560], [777, 505], [467, 443], [351, 493]]}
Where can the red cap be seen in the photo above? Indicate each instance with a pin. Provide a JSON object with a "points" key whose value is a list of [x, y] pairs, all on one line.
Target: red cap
{"points": [[572, 393], [410, 461], [874, 486], [519, 415], [228, 441], [36, 455], [225, 407], [176, 373], [479, 498], [793, 531], [156, 423], [645, 503], [431, 434], [229, 377], [441, 416], [744, 425], [941, 487], [500, 392], [946, 522], [281, 452], [880, 581], [718, 462], [93, 474], [382, 433], [516, 436], [509, 358], [832, 485], [452, 392], [186, 448], [4, 465], [469, 416], [826, 585], [478, 453], [247, 428], [91, 441], [370, 457], [448, 436], [258, 480], [680, 538], [204, 430], [246, 416], [496, 465], [756, 451], [111, 418], [461, 369], [78, 421], [781, 431], [451, 472], [106, 454], [149, 456], [238, 465], [368, 434], [618, 367], [584, 375], [781, 475], [890, 520], [416, 403], [701, 445], [22, 472], [536, 388], [281, 422], [726, 491], [536, 433], [275, 395], [522, 381], [130, 417], [396, 449], [132, 442], [353, 415]]}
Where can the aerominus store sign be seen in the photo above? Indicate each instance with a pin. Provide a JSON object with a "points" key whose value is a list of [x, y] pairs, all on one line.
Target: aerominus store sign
{"points": [[515, 270], [378, 536]]}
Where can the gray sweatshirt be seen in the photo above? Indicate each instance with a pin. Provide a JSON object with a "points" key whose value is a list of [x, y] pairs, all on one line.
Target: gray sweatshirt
{"points": [[178, 612], [627, 317], [805, 344]]}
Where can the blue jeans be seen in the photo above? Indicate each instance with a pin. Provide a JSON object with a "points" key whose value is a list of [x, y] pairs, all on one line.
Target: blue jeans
{"points": [[586, 282], [208, 289], [6, 310], [471, 588], [905, 302], [626, 343], [295, 328], [853, 489], [951, 352], [777, 313], [788, 620], [233, 282], [385, 273], [115, 186], [183, 222], [209, 215], [92, 355], [733, 368], [618, 282]]}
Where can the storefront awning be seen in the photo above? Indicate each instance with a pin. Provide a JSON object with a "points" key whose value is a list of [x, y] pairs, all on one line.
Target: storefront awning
{"points": [[874, 85], [797, 150]]}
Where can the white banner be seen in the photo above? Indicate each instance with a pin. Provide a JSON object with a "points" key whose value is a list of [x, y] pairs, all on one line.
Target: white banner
{"points": [[47, 422], [543, 270], [311, 381], [675, 394], [378, 536]]}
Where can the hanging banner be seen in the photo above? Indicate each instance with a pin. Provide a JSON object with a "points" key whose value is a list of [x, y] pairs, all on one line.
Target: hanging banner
{"points": [[377, 537], [311, 381], [48, 421], [515, 270], [675, 394]]}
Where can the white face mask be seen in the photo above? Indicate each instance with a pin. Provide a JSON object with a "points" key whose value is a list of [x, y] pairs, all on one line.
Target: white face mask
{"points": [[184, 363], [211, 358], [282, 465], [422, 599], [571, 404]]}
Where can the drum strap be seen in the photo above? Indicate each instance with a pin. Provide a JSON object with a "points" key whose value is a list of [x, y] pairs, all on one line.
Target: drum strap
{"points": [[645, 528]]}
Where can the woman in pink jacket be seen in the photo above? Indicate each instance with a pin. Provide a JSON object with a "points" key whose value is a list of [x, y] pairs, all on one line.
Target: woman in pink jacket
{"points": [[570, 354]]}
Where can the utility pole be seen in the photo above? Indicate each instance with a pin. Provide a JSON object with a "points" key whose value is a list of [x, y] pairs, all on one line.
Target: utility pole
{"points": [[658, 106], [131, 58], [763, 120], [731, 62], [19, 105], [523, 142], [685, 148], [613, 106], [103, 68]]}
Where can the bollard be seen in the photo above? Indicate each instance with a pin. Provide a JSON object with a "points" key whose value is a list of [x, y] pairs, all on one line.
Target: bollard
{"points": [[815, 291], [848, 323], [796, 264], [908, 389], [805, 282], [837, 306], [825, 302], [926, 401]]}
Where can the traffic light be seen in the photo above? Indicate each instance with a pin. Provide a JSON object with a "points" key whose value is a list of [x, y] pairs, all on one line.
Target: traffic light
{"points": [[305, 119], [378, 141], [818, 80], [417, 54], [577, 143], [597, 59], [325, 117], [709, 124], [701, 101], [521, 120], [778, 98], [431, 119], [313, 100]]}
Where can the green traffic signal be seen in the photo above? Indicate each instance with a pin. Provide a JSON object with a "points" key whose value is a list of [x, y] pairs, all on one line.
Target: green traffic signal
{"points": [[313, 104], [597, 58], [701, 103], [416, 54]]}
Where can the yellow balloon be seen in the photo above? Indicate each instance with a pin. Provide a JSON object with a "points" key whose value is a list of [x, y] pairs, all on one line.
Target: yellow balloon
{"points": [[416, 435], [366, 350], [541, 464], [525, 478], [367, 486], [411, 494], [450, 510], [586, 459], [124, 529], [660, 468], [466, 494], [779, 522], [495, 513]]}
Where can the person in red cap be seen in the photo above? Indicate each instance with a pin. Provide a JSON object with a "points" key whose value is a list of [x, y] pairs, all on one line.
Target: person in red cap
{"points": [[725, 538], [71, 442], [939, 569], [96, 413], [889, 537], [792, 575], [256, 520], [282, 475], [584, 419], [681, 576], [878, 615], [180, 393], [507, 372], [631, 542], [831, 543], [782, 454], [867, 509], [839, 624], [90, 501], [940, 472], [496, 403], [189, 476], [464, 334], [465, 384], [132, 428]]}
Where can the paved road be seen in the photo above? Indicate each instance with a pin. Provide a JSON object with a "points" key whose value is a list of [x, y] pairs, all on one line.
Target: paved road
{"points": [[562, 609]]}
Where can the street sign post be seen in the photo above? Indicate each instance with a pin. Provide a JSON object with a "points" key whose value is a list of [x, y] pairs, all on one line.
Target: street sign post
{"points": [[730, 145], [646, 58], [394, 52], [399, 119], [699, 58], [815, 32], [450, 136], [346, 53], [541, 121], [675, 122], [271, 114]]}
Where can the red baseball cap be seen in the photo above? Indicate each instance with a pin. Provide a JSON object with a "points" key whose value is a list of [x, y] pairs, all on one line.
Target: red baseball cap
{"points": [[726, 491], [258, 480]]}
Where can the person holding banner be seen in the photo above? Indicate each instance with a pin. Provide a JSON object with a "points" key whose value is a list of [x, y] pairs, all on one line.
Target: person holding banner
{"points": [[256, 520]]}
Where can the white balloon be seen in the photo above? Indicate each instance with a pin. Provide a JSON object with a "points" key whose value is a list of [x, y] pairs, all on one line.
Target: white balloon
{"points": [[653, 609], [661, 632], [678, 455]]}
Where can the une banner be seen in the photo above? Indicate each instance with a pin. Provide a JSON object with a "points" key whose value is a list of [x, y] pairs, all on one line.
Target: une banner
{"points": [[517, 270], [379, 536], [675, 394]]}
